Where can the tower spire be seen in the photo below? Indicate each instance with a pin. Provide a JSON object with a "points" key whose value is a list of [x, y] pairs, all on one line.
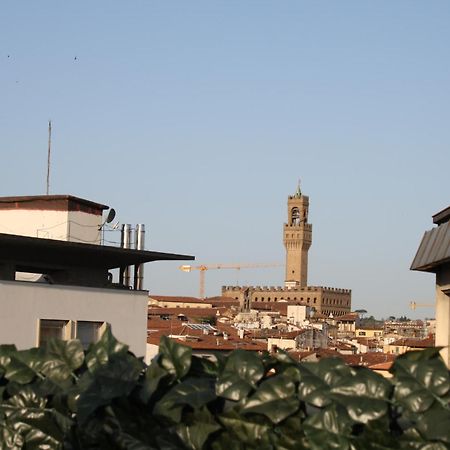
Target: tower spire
{"points": [[298, 193]]}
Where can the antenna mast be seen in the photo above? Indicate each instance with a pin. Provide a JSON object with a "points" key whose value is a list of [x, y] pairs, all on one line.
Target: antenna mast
{"points": [[48, 155]]}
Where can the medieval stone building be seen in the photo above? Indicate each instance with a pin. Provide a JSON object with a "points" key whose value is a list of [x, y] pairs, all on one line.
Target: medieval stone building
{"points": [[297, 238]]}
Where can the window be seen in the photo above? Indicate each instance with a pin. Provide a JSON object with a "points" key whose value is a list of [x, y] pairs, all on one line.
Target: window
{"points": [[88, 332], [53, 329]]}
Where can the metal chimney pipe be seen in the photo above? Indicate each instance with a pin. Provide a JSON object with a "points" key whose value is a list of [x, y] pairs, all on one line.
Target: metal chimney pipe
{"points": [[125, 242], [139, 245]]}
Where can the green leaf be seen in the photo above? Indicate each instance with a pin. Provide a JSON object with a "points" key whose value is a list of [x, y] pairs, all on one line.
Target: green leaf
{"points": [[201, 425], [330, 427], [174, 357], [434, 424], [239, 376], [194, 392], [232, 387], [6, 350], [245, 430], [333, 419], [101, 351], [153, 375], [313, 390], [64, 358], [274, 398], [37, 425], [26, 364], [365, 395], [115, 379]]}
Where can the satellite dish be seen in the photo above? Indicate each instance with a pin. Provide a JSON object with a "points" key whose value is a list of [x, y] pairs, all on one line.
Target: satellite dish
{"points": [[111, 215]]}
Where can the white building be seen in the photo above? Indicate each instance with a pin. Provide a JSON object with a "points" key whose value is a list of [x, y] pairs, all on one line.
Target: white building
{"points": [[58, 237], [60, 217]]}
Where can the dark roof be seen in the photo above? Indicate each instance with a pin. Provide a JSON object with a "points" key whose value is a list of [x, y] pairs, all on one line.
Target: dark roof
{"points": [[29, 254], [442, 216], [434, 249]]}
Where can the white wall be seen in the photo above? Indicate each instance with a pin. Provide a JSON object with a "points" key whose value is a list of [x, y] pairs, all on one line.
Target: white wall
{"points": [[297, 313], [284, 344], [22, 304], [443, 312], [73, 226]]}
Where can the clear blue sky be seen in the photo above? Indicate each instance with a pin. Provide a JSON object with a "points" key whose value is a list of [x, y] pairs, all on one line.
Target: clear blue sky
{"points": [[198, 117]]}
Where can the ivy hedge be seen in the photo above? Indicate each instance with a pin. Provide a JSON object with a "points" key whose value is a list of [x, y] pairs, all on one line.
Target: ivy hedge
{"points": [[60, 396]]}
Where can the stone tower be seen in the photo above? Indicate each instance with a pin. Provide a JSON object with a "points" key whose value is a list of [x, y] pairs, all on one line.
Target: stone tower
{"points": [[297, 240]]}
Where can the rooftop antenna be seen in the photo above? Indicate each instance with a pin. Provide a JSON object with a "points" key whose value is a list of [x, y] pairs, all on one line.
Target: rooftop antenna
{"points": [[48, 155]]}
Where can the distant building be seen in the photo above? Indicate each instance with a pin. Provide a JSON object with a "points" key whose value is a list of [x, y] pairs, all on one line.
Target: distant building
{"points": [[297, 239], [433, 255]]}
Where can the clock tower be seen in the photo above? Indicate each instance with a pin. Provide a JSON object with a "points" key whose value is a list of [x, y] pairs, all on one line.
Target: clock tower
{"points": [[297, 240]]}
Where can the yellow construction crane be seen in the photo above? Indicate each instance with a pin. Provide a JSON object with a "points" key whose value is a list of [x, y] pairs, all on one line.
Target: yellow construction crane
{"points": [[204, 267]]}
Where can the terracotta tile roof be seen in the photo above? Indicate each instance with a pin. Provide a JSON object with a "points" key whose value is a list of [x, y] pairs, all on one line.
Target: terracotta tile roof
{"points": [[188, 312], [367, 359], [349, 316], [176, 299], [416, 343], [199, 341], [382, 366]]}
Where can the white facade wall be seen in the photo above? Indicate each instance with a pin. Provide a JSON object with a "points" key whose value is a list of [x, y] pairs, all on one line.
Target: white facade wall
{"points": [[443, 312], [22, 304], [284, 344], [296, 314], [75, 226]]}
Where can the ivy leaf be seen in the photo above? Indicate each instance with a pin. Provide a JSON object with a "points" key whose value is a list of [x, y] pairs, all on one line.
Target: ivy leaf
{"points": [[25, 365], [194, 392], [201, 426], [101, 351], [63, 358], [239, 376], [434, 424], [245, 430], [314, 391], [115, 379], [365, 395], [153, 375], [331, 425], [174, 357], [274, 398]]}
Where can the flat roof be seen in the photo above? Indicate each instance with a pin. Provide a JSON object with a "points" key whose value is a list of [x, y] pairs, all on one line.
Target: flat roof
{"points": [[30, 254], [52, 203]]}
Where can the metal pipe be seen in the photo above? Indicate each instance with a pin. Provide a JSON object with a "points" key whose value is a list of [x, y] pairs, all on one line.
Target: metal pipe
{"points": [[139, 239], [125, 242]]}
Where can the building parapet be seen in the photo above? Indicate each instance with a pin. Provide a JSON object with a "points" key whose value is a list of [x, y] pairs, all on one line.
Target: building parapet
{"points": [[303, 226], [287, 289]]}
